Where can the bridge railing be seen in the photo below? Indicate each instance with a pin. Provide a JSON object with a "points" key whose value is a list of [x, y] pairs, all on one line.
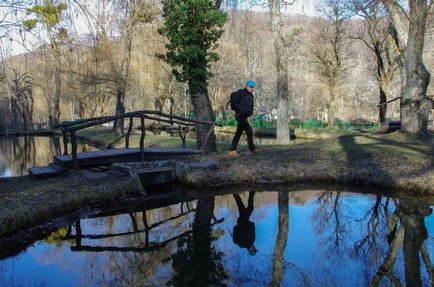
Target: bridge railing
{"points": [[71, 128]]}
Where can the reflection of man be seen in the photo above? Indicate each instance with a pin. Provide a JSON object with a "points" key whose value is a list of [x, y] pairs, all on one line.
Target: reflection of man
{"points": [[244, 231]]}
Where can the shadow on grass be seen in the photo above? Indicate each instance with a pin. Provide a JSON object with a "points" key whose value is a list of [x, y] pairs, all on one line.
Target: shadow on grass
{"points": [[362, 164], [420, 140], [387, 156]]}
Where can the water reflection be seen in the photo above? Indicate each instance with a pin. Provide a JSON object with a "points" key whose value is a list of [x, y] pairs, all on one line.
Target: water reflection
{"points": [[243, 232], [281, 239], [300, 238], [196, 261], [18, 154]]}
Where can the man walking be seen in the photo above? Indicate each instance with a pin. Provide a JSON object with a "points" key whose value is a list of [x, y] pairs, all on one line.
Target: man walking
{"points": [[242, 103]]}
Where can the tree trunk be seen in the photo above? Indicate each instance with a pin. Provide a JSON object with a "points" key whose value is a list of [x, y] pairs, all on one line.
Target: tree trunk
{"points": [[15, 122], [122, 80], [415, 105], [55, 117], [383, 106], [203, 111], [409, 37], [118, 125], [331, 106], [280, 48], [382, 83]]}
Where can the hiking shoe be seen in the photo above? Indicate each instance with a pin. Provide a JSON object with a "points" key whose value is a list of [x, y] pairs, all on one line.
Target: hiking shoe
{"points": [[233, 153], [256, 151]]}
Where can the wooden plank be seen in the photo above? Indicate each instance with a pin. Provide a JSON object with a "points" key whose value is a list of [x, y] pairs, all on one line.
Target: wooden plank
{"points": [[125, 155], [155, 169], [42, 172]]}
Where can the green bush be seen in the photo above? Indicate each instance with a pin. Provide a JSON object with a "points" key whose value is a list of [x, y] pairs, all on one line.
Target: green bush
{"points": [[258, 121], [341, 124], [312, 124], [363, 124]]}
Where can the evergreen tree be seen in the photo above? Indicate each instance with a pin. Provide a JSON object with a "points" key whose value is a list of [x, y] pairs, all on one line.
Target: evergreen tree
{"points": [[193, 28]]}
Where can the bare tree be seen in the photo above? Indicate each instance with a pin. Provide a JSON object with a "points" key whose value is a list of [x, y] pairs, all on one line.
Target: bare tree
{"points": [[377, 38], [22, 97], [281, 50], [133, 12], [49, 17], [410, 25], [329, 51]]}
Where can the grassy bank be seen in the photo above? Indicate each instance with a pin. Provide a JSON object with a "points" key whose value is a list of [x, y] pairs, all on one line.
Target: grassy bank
{"points": [[25, 202], [393, 161], [397, 160]]}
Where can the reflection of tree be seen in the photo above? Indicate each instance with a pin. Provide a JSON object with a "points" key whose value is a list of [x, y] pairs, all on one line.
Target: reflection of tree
{"points": [[380, 222], [386, 268], [388, 227], [411, 234], [412, 218], [282, 237], [329, 215], [196, 262]]}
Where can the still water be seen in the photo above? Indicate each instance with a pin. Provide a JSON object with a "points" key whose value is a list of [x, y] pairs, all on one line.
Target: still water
{"points": [[18, 154], [308, 237]]}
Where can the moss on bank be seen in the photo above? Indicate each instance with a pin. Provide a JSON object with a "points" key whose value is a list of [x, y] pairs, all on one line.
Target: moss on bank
{"points": [[25, 202]]}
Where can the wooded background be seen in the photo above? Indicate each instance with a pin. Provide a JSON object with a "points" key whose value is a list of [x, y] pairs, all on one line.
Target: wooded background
{"points": [[83, 75]]}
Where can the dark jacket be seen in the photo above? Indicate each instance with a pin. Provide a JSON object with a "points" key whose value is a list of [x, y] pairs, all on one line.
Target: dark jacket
{"points": [[242, 102]]}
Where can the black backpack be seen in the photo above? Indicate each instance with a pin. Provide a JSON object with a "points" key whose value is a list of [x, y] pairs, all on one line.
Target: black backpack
{"points": [[232, 99]]}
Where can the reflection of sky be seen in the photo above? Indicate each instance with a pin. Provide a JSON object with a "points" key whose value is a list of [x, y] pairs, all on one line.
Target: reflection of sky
{"points": [[5, 172], [311, 254]]}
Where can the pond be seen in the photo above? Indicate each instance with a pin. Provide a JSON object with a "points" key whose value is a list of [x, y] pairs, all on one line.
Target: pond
{"points": [[18, 154], [303, 237]]}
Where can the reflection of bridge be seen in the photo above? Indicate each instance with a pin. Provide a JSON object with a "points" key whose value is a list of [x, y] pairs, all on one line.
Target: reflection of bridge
{"points": [[127, 154], [132, 209]]}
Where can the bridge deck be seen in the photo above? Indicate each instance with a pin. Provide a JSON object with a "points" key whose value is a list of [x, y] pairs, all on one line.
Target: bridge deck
{"points": [[109, 156]]}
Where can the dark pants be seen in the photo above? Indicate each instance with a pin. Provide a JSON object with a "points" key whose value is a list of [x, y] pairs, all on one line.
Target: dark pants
{"points": [[243, 125]]}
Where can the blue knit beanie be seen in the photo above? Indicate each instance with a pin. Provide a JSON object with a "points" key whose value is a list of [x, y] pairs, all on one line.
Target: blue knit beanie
{"points": [[250, 83]]}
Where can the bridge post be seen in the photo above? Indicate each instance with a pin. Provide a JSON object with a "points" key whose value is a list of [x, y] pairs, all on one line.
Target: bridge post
{"points": [[74, 149], [142, 137], [127, 136], [182, 135], [65, 142]]}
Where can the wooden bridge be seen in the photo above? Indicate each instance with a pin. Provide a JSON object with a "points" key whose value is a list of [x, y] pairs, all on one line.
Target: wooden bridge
{"points": [[62, 163]]}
